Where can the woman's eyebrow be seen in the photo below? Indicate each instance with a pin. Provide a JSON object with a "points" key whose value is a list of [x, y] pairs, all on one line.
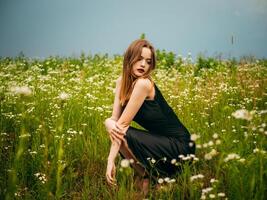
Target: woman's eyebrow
{"points": [[146, 58]]}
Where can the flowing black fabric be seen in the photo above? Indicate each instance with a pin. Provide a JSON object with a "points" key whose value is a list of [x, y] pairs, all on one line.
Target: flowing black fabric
{"points": [[164, 139]]}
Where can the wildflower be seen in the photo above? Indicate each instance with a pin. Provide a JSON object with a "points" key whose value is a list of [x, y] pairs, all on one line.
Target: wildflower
{"points": [[192, 156], [167, 179], [217, 142], [64, 96], [191, 144], [125, 163], [211, 154], [257, 150], [262, 112], [194, 137], [160, 180], [208, 157], [231, 156], [213, 180], [188, 157], [205, 145], [196, 159], [100, 109], [198, 176], [172, 180], [207, 190], [243, 114], [212, 196], [221, 194], [41, 177], [23, 90], [153, 160], [32, 152], [210, 143], [173, 161], [24, 135]]}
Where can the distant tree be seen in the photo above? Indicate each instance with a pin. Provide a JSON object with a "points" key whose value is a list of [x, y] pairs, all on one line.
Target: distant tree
{"points": [[142, 36], [21, 55]]}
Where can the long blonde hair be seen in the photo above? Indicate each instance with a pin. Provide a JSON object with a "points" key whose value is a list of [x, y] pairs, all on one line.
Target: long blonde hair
{"points": [[131, 56]]}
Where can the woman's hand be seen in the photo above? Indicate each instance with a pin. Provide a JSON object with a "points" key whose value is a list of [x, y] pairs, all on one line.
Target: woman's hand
{"points": [[114, 130], [111, 173], [117, 132]]}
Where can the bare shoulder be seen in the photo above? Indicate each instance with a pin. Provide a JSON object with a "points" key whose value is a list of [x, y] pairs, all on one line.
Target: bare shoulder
{"points": [[143, 83]]}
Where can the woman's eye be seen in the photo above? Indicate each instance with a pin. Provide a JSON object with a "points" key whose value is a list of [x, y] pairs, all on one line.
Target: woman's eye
{"points": [[148, 62]]}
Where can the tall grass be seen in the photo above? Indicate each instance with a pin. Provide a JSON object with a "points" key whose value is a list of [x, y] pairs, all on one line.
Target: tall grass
{"points": [[54, 144]]}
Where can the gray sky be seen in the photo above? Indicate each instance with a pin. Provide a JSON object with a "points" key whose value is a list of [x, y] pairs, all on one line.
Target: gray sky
{"points": [[41, 28]]}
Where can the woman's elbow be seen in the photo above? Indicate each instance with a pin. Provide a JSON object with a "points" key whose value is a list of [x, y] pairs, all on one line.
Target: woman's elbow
{"points": [[108, 120]]}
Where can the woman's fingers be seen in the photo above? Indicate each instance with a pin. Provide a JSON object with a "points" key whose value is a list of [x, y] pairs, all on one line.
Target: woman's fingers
{"points": [[111, 181], [114, 137], [117, 133], [109, 178], [117, 130], [110, 173], [117, 136], [118, 127]]}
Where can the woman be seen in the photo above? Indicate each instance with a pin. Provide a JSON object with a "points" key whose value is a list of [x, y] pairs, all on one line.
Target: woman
{"points": [[138, 98]]}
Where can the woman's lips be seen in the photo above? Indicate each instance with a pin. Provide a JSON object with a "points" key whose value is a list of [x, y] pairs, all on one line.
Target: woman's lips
{"points": [[140, 70]]}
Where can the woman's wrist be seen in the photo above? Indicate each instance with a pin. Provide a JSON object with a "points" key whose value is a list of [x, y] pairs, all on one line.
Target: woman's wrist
{"points": [[122, 127], [110, 160]]}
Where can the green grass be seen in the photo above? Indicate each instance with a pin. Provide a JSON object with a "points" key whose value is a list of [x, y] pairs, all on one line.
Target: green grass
{"points": [[54, 145]]}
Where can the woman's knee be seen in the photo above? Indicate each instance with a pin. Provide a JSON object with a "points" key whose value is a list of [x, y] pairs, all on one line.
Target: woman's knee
{"points": [[109, 122], [132, 133]]}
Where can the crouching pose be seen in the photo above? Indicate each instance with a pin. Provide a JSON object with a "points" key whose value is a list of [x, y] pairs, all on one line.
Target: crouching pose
{"points": [[139, 99]]}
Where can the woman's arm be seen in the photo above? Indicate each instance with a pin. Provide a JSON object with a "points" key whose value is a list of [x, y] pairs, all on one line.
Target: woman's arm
{"points": [[115, 143], [116, 113], [139, 93], [117, 109]]}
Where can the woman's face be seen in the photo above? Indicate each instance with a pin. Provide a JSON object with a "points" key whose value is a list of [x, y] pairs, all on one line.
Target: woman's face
{"points": [[143, 64]]}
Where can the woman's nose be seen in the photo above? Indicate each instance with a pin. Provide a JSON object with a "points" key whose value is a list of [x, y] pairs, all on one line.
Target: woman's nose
{"points": [[143, 63]]}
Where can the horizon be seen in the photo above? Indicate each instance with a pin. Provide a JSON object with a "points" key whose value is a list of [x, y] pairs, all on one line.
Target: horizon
{"points": [[66, 28]]}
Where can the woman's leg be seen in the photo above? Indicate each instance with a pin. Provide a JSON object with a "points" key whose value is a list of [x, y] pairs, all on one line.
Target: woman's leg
{"points": [[143, 183], [126, 152]]}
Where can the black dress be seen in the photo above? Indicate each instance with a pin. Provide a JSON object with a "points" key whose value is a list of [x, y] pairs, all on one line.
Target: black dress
{"points": [[164, 139]]}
